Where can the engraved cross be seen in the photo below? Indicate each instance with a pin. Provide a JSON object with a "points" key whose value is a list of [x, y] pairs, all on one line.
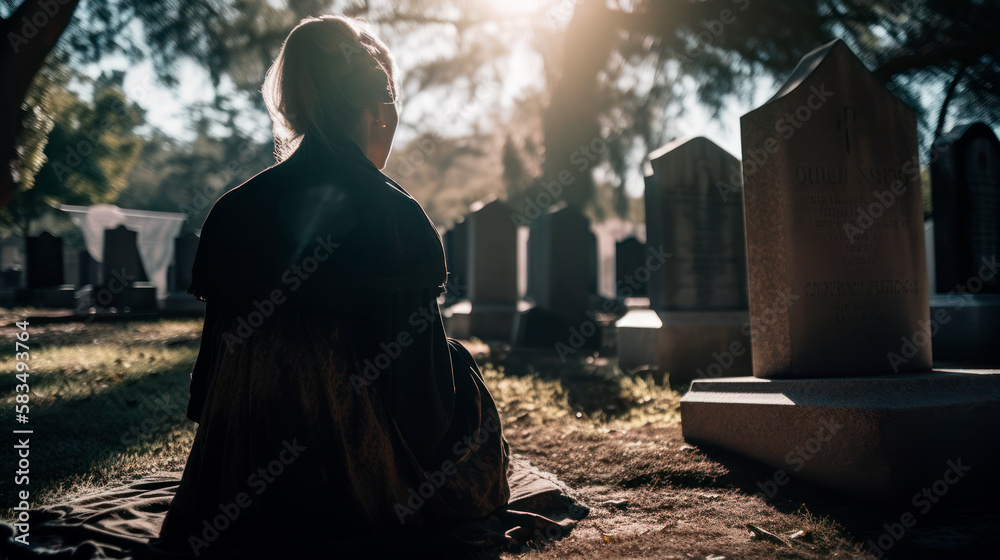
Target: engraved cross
{"points": [[847, 125]]}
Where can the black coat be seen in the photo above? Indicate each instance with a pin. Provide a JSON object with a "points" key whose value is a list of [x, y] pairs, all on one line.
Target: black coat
{"points": [[326, 237]]}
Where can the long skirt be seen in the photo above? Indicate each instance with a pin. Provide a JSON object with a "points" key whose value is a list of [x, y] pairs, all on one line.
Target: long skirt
{"points": [[294, 442]]}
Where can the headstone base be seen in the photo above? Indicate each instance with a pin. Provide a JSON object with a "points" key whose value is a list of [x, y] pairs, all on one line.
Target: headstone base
{"points": [[57, 297], [493, 323], [537, 328], [881, 438], [685, 344], [182, 301], [968, 326], [140, 296]]}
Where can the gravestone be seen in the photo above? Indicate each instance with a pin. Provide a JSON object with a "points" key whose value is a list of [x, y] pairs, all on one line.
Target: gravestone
{"points": [[124, 285], [87, 269], [185, 249], [834, 224], [562, 282], [694, 220], [45, 275], [838, 301], [45, 261], [456, 250], [630, 257], [965, 189], [491, 307]]}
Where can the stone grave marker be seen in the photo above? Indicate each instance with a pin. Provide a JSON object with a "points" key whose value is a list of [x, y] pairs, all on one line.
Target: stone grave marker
{"points": [[839, 303]]}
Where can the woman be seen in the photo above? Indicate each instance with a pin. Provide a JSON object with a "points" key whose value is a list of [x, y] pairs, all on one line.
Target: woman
{"points": [[330, 402]]}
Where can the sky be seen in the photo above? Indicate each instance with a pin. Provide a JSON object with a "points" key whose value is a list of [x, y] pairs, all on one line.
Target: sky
{"points": [[169, 109]]}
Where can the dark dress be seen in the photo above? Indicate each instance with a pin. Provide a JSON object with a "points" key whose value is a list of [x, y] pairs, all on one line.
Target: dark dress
{"points": [[330, 401]]}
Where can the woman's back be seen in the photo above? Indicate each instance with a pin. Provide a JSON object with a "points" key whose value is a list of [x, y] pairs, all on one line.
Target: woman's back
{"points": [[327, 367]]}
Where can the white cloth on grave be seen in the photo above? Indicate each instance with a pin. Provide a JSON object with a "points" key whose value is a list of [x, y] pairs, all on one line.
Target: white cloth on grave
{"points": [[155, 231]]}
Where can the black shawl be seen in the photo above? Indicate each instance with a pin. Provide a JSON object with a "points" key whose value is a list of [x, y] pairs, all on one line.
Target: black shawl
{"points": [[326, 237]]}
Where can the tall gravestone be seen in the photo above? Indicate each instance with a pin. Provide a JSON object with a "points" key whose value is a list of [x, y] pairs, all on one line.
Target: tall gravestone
{"points": [[965, 189], [121, 256], [838, 299], [491, 308], [45, 276], [87, 269], [456, 249], [694, 219], [124, 285], [185, 249], [45, 261], [630, 258], [562, 282]]}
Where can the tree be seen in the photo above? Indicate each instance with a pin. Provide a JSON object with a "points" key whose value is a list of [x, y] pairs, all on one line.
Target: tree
{"points": [[723, 46], [87, 150], [30, 33], [614, 70]]}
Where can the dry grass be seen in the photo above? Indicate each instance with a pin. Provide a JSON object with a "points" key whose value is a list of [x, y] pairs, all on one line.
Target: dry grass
{"points": [[108, 407], [107, 403]]}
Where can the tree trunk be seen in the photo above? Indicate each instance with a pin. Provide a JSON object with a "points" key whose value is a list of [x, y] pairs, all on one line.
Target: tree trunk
{"points": [[28, 36], [574, 144], [943, 114], [573, 141]]}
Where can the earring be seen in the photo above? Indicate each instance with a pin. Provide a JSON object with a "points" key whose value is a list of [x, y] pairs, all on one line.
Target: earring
{"points": [[380, 123]]}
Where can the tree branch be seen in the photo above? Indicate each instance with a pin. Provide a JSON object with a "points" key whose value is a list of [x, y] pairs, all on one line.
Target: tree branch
{"points": [[25, 53], [932, 53], [21, 57], [947, 100]]}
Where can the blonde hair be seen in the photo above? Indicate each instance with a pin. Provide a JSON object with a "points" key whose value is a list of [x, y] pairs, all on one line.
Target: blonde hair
{"points": [[328, 70]]}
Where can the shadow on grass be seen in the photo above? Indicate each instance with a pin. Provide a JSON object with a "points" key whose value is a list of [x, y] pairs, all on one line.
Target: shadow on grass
{"points": [[964, 523], [73, 435], [591, 387]]}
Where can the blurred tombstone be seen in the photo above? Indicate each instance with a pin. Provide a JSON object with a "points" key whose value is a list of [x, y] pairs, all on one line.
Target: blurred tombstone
{"points": [[490, 310], [185, 249], [45, 274], [695, 262], [88, 268], [965, 189], [562, 282], [630, 260], [44, 260], [71, 265], [456, 250], [124, 285]]}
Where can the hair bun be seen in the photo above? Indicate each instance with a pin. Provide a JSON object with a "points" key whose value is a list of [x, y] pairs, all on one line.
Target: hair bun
{"points": [[328, 70]]}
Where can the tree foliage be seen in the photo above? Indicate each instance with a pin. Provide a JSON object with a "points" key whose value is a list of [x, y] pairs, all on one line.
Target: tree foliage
{"points": [[614, 70], [79, 151]]}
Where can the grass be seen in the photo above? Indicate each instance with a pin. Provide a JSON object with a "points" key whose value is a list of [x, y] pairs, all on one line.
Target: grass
{"points": [[108, 402]]}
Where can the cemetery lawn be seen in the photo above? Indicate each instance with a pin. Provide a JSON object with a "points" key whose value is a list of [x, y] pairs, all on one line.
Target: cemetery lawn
{"points": [[108, 403]]}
